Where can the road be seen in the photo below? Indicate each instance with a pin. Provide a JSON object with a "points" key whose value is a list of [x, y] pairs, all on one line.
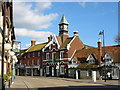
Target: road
{"points": [[54, 82]]}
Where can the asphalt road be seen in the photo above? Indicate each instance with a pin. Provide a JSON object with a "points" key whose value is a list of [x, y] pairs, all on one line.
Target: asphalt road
{"points": [[29, 82]]}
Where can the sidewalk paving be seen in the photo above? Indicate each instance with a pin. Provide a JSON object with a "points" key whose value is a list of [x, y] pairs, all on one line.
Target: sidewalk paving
{"points": [[43, 82], [108, 82]]}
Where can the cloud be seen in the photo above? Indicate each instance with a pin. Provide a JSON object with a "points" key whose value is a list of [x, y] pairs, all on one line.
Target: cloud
{"points": [[31, 15], [40, 36], [82, 4]]}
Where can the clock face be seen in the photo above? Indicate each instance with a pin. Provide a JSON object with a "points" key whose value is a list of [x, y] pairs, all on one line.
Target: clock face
{"points": [[65, 27]]}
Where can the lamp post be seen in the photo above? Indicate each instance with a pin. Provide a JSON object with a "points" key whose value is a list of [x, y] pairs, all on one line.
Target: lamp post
{"points": [[102, 33]]}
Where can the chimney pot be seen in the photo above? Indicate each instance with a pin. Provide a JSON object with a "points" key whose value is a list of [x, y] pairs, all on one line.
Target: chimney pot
{"points": [[50, 38], [75, 33], [33, 42]]}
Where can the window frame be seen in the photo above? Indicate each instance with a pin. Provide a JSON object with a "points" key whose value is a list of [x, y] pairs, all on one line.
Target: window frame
{"points": [[47, 56], [61, 54]]}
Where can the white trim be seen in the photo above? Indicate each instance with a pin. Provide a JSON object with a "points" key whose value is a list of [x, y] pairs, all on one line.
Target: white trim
{"points": [[68, 45], [47, 56], [60, 54], [47, 46], [53, 56], [56, 41], [73, 54]]}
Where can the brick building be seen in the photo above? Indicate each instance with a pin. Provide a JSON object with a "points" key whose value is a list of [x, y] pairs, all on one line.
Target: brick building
{"points": [[103, 60], [55, 54]]}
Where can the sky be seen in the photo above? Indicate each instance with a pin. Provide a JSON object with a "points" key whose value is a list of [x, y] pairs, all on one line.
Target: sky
{"points": [[38, 20]]}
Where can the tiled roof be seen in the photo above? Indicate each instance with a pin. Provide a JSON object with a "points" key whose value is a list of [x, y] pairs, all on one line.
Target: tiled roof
{"points": [[87, 66], [36, 47], [67, 41], [114, 52], [59, 40]]}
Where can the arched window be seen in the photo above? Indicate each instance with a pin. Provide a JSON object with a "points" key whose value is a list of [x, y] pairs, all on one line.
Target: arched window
{"points": [[74, 61]]}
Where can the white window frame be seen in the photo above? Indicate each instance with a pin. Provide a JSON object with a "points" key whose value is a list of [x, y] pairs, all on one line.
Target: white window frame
{"points": [[61, 54], [47, 56], [33, 54], [33, 62], [28, 55], [106, 57], [38, 53], [73, 60], [28, 62], [62, 69], [47, 70], [53, 56], [38, 62], [91, 59]]}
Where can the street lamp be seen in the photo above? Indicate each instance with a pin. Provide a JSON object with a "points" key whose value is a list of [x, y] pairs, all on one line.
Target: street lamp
{"points": [[102, 33]]}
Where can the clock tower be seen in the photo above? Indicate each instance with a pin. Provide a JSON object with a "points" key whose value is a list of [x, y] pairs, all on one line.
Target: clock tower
{"points": [[63, 26]]}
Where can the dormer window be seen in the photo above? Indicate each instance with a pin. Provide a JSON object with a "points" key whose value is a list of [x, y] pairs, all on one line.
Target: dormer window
{"points": [[74, 61], [91, 59], [107, 58]]}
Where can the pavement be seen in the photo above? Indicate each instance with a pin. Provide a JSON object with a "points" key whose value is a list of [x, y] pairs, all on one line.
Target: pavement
{"points": [[56, 82]]}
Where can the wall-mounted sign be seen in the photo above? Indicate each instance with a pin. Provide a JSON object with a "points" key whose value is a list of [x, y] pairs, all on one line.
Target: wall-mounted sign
{"points": [[16, 46]]}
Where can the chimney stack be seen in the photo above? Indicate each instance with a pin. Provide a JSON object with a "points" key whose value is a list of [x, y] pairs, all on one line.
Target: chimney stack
{"points": [[33, 42], [99, 50], [75, 33]]}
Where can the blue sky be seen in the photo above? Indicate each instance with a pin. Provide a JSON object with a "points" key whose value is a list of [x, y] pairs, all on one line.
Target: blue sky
{"points": [[89, 18]]}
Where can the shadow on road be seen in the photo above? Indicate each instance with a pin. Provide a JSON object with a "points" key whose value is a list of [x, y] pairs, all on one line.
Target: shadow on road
{"points": [[107, 87]]}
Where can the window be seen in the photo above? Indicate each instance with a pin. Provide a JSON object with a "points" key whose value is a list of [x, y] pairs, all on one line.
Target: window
{"points": [[62, 69], [38, 53], [107, 59], [91, 59], [33, 62], [47, 69], [53, 56], [61, 54], [28, 62], [28, 55], [38, 61], [74, 61], [47, 56], [33, 54]]}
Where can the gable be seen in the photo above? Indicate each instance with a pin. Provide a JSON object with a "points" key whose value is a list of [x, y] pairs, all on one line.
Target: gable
{"points": [[107, 56], [90, 57]]}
